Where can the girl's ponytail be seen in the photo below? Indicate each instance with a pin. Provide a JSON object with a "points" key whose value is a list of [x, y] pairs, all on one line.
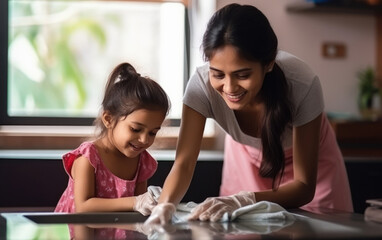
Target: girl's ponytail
{"points": [[122, 72]]}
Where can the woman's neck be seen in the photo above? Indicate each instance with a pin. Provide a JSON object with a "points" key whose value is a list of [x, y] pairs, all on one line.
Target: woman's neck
{"points": [[251, 119]]}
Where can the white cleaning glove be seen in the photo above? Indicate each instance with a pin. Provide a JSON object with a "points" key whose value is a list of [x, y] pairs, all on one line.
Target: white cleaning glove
{"points": [[161, 214], [213, 208], [145, 203]]}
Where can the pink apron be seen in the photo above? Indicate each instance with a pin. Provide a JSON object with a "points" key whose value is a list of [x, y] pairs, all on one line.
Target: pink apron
{"points": [[242, 163]]}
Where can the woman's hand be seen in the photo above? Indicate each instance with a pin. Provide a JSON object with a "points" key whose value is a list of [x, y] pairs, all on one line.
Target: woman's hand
{"points": [[213, 209], [145, 203]]}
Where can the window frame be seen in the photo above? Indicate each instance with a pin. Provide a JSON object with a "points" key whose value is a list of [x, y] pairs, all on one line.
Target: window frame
{"points": [[5, 119]]}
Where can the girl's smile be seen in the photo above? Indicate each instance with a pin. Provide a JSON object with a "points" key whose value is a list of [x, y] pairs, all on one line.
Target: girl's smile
{"points": [[136, 148]]}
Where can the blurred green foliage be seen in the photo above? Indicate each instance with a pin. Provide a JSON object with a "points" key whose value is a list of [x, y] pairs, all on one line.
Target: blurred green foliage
{"points": [[62, 77], [367, 88]]}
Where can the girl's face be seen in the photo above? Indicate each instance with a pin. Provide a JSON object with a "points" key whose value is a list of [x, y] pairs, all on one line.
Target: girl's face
{"points": [[236, 79], [135, 133]]}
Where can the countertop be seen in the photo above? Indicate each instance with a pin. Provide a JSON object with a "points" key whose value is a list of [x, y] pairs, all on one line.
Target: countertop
{"points": [[313, 224]]}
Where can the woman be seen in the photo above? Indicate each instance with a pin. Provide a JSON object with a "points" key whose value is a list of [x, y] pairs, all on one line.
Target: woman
{"points": [[279, 145]]}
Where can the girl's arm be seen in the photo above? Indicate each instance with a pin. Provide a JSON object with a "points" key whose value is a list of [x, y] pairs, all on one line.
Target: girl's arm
{"points": [[84, 191], [301, 190], [187, 151]]}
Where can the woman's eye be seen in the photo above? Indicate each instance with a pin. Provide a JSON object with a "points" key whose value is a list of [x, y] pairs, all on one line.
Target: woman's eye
{"points": [[218, 76], [243, 76]]}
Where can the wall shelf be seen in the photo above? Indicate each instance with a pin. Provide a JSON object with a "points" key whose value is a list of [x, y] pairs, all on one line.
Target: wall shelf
{"points": [[351, 7], [347, 7]]}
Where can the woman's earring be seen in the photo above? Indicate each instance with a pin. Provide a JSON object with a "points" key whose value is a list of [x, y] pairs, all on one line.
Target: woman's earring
{"points": [[270, 69]]}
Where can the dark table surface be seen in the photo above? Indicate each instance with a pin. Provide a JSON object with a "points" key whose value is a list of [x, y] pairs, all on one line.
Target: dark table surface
{"points": [[313, 224]]}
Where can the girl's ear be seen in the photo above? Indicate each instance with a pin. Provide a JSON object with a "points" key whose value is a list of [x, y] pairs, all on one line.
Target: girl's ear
{"points": [[107, 119]]}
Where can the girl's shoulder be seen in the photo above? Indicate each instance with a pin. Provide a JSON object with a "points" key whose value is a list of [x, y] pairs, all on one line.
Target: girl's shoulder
{"points": [[148, 166], [148, 160]]}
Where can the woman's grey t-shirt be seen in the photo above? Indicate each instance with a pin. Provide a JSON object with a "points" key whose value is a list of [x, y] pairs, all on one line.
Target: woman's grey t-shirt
{"points": [[305, 94]]}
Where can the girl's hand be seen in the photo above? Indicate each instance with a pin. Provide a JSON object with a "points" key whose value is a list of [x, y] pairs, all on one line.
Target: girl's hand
{"points": [[145, 203], [213, 209]]}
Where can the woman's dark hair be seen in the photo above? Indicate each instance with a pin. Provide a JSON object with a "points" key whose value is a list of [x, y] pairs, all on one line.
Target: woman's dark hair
{"points": [[248, 30], [127, 91]]}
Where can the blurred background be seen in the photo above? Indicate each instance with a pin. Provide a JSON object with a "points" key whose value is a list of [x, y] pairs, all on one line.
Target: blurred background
{"points": [[56, 57]]}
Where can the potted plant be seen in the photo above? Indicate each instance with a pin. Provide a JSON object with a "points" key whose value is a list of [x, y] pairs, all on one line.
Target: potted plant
{"points": [[367, 90]]}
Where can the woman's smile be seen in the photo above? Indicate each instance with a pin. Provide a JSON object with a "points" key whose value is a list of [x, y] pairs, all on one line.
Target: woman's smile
{"points": [[235, 97]]}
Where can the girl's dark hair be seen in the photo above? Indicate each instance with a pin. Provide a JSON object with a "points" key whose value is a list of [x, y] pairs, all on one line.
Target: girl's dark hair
{"points": [[248, 30], [127, 91]]}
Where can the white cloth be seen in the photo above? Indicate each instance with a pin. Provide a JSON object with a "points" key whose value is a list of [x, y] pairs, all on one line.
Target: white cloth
{"points": [[260, 211]]}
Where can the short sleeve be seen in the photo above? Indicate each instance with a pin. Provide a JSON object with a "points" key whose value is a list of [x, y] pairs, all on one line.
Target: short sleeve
{"points": [[147, 168], [197, 92], [311, 104], [68, 160], [86, 149], [304, 88]]}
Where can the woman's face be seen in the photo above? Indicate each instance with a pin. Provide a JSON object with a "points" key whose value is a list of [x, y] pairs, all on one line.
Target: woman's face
{"points": [[236, 79]]}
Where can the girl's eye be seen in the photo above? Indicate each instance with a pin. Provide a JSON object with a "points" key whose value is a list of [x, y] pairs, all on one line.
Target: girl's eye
{"points": [[135, 130], [153, 134]]}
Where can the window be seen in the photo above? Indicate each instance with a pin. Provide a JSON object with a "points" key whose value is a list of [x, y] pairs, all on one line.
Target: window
{"points": [[56, 55]]}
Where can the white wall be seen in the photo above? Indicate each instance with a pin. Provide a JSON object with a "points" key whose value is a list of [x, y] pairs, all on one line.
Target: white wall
{"points": [[302, 34]]}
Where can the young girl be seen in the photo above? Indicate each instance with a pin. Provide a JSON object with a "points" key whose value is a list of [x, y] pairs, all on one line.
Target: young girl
{"points": [[279, 145], [110, 173]]}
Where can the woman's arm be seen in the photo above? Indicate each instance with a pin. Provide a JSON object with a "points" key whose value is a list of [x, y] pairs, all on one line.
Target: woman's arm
{"points": [[301, 190], [187, 151], [84, 191]]}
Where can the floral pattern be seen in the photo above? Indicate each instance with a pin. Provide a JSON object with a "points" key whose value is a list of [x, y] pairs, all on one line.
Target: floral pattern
{"points": [[107, 184]]}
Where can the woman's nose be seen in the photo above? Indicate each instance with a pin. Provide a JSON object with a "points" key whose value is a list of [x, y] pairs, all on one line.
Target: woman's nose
{"points": [[230, 85]]}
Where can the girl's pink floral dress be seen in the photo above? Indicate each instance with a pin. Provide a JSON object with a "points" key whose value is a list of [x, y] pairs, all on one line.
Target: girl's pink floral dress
{"points": [[107, 184]]}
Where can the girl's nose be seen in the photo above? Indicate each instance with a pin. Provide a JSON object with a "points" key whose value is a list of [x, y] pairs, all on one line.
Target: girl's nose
{"points": [[144, 138]]}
